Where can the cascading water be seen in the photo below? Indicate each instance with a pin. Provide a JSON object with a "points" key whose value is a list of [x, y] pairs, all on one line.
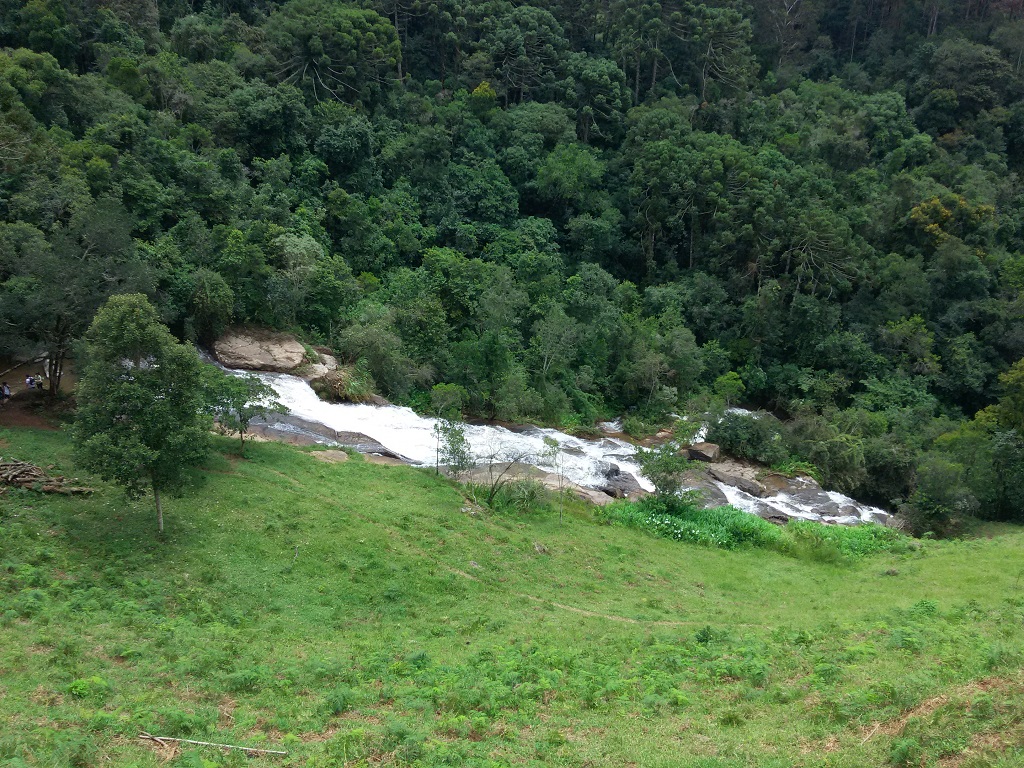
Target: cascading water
{"points": [[407, 433], [584, 462]]}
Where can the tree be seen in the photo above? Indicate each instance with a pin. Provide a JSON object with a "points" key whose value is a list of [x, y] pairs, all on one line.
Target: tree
{"points": [[140, 419], [729, 387], [234, 401], [453, 449], [552, 454], [46, 304], [333, 50], [664, 466]]}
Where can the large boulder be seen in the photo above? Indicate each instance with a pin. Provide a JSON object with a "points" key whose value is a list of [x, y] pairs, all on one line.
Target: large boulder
{"points": [[289, 428], [619, 484], [259, 350], [746, 485], [704, 451], [344, 385]]}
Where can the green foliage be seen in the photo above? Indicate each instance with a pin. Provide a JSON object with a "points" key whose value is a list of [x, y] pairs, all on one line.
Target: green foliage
{"points": [[140, 419], [347, 384], [453, 449], [686, 520], [756, 436], [370, 643], [520, 497], [792, 467], [664, 466], [729, 528], [571, 211], [234, 401]]}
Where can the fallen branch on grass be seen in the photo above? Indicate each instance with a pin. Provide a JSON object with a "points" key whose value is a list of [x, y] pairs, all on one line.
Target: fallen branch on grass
{"points": [[163, 739]]}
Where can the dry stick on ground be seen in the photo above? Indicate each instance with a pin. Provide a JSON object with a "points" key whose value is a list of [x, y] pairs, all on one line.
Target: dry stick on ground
{"points": [[162, 739]]}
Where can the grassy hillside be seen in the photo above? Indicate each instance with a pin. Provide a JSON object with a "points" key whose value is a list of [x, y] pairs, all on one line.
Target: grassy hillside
{"points": [[356, 614]]}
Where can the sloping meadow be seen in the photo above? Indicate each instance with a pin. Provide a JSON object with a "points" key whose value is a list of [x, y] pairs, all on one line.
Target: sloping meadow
{"points": [[355, 614]]}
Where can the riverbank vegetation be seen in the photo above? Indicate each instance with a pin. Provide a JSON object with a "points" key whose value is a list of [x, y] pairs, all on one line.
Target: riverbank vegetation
{"points": [[569, 210], [686, 519], [362, 614]]}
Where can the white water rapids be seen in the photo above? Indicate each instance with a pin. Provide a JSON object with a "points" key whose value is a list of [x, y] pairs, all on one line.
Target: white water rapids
{"points": [[405, 432], [582, 461]]}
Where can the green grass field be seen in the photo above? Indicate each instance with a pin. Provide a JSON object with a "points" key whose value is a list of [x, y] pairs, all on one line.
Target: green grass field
{"points": [[356, 614]]}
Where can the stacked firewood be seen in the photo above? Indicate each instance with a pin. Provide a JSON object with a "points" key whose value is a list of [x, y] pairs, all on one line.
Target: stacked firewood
{"points": [[24, 475]]}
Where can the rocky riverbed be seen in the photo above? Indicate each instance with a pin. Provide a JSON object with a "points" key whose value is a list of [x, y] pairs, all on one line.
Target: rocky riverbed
{"points": [[600, 470]]}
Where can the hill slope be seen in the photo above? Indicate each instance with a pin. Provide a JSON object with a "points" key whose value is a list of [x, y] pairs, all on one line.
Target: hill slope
{"points": [[360, 614]]}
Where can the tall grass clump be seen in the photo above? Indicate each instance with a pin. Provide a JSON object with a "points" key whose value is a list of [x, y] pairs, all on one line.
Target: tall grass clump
{"points": [[517, 496], [849, 541], [683, 519]]}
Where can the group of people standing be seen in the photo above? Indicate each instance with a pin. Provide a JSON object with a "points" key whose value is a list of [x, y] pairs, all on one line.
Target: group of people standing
{"points": [[31, 382]]}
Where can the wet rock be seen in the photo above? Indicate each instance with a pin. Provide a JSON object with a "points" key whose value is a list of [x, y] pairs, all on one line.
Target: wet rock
{"points": [[773, 516], [710, 494], [848, 520], [293, 429], [877, 516], [704, 452], [259, 350], [752, 487], [619, 484]]}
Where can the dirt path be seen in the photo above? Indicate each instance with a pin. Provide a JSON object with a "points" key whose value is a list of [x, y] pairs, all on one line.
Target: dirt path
{"points": [[25, 411]]}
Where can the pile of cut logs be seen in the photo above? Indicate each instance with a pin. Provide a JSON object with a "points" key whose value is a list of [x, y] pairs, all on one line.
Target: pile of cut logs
{"points": [[24, 475]]}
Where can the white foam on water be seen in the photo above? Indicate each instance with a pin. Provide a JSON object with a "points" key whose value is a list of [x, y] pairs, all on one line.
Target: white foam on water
{"points": [[405, 432], [792, 506]]}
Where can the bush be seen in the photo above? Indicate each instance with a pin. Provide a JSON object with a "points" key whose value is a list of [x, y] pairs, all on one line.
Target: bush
{"points": [[94, 688], [340, 700], [684, 520], [750, 436], [520, 496], [350, 384]]}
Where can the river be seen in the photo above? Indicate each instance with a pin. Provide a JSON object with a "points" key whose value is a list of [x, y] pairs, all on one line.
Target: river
{"points": [[582, 461]]}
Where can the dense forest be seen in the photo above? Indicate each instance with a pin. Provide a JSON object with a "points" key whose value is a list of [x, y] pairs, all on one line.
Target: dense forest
{"points": [[564, 211]]}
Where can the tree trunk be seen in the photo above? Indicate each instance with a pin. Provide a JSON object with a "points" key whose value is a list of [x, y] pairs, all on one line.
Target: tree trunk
{"points": [[159, 510], [241, 437], [55, 367], [398, 34]]}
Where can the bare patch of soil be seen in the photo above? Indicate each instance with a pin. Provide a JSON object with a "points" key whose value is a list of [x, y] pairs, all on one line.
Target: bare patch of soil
{"points": [[330, 457], [29, 410]]}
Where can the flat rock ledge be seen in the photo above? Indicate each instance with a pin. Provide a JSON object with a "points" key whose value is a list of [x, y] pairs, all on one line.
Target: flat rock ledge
{"points": [[255, 349], [288, 428]]}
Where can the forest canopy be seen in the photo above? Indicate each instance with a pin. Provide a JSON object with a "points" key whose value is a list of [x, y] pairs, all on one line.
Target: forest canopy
{"points": [[571, 210]]}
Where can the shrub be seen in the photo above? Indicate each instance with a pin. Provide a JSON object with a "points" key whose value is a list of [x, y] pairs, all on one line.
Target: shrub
{"points": [[520, 496], [341, 699], [180, 722], [94, 688], [350, 384], [682, 520], [905, 753], [750, 436]]}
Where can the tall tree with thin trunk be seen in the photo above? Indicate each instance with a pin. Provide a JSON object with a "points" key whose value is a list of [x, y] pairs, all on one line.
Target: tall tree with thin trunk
{"points": [[140, 420]]}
